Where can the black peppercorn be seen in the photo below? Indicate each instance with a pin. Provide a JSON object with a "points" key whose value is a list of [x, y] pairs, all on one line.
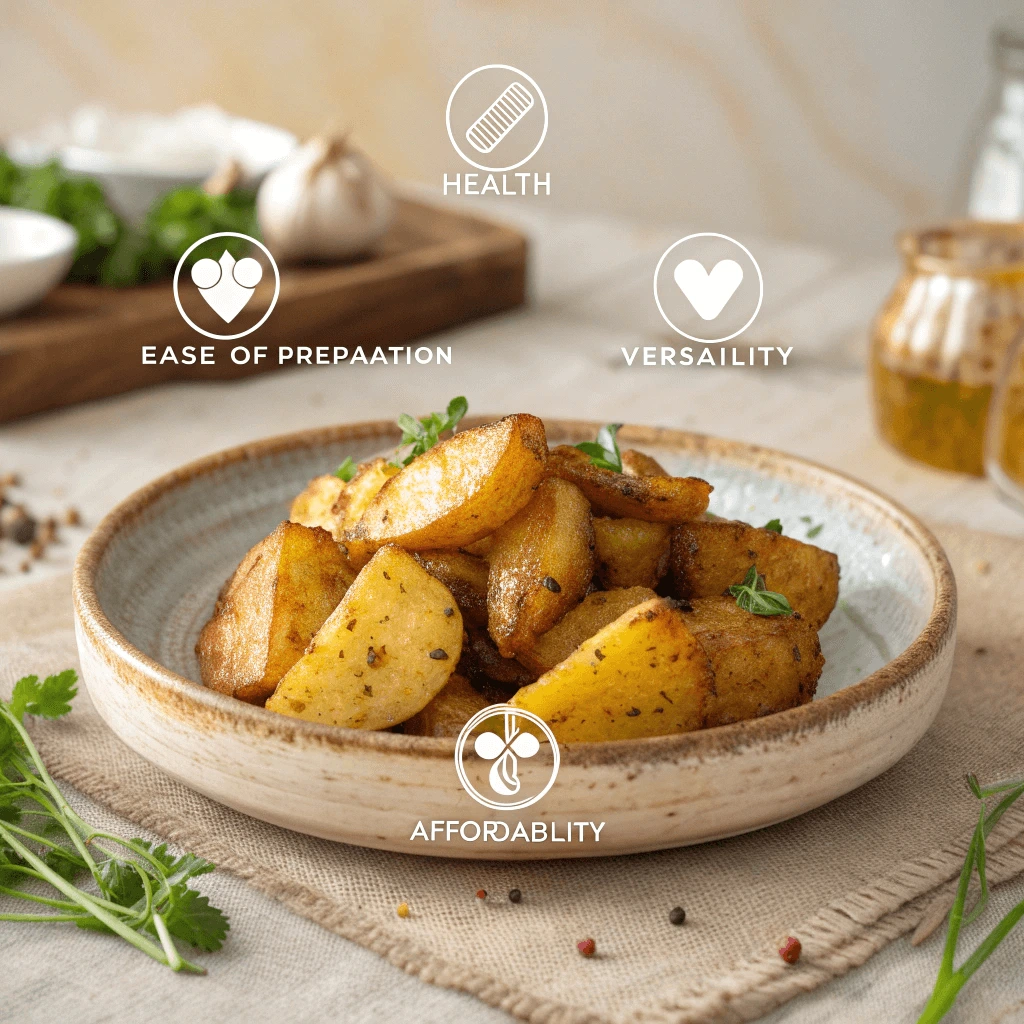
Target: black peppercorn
{"points": [[515, 896], [677, 915]]}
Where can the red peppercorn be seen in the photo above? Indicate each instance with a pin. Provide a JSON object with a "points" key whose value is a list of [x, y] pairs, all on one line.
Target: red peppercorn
{"points": [[587, 947], [481, 894], [790, 950]]}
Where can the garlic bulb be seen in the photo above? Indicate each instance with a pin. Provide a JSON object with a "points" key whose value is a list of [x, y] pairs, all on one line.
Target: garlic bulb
{"points": [[326, 201]]}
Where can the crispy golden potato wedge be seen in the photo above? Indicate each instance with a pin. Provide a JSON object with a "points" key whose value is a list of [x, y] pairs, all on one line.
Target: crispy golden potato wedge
{"points": [[322, 504], [363, 488], [709, 557], [481, 548], [644, 674], [636, 463], [449, 711], [457, 492], [579, 624], [762, 664], [541, 564], [465, 576], [655, 499], [267, 612], [487, 669], [630, 552], [382, 655]]}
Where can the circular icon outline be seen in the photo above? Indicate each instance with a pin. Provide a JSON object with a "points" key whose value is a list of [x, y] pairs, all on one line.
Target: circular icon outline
{"points": [[448, 117], [262, 320], [760, 281], [490, 712]]}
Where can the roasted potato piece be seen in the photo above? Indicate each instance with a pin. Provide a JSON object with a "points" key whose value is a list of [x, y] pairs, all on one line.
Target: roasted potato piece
{"points": [[762, 664], [487, 669], [541, 564], [363, 488], [709, 557], [382, 655], [644, 674], [457, 492], [655, 499], [481, 548], [578, 624], [322, 504], [630, 552], [449, 711], [267, 612], [465, 576], [636, 463]]}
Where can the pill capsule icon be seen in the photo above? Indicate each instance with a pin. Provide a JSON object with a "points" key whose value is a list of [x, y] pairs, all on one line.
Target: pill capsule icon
{"points": [[500, 118]]}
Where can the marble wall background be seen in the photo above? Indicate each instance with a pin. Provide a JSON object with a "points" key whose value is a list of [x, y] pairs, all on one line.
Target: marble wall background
{"points": [[833, 121]]}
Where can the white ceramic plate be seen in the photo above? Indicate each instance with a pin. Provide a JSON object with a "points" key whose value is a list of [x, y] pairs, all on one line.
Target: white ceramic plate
{"points": [[147, 579]]}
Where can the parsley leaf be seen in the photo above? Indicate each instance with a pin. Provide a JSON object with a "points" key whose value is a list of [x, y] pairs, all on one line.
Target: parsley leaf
{"points": [[753, 596], [774, 525], [192, 919], [812, 531], [49, 699], [604, 451], [422, 434], [346, 470]]}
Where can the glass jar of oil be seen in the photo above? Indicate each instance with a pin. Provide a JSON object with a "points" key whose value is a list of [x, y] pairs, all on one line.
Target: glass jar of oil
{"points": [[943, 342]]}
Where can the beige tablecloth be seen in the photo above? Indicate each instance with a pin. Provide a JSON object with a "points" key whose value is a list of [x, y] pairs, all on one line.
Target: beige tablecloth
{"points": [[846, 879]]}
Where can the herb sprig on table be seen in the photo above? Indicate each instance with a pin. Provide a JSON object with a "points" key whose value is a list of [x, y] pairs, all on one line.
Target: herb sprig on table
{"points": [[604, 451], [68, 871], [420, 435], [950, 980]]}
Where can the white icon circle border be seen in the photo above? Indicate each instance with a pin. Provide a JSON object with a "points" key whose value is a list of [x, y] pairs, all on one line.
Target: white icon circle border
{"points": [[448, 117], [491, 711], [270, 309], [760, 281]]}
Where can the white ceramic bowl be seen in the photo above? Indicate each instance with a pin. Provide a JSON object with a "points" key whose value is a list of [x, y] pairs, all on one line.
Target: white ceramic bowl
{"points": [[36, 252], [146, 581]]}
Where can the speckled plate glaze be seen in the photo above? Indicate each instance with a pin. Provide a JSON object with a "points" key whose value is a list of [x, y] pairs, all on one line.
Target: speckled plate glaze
{"points": [[146, 581]]}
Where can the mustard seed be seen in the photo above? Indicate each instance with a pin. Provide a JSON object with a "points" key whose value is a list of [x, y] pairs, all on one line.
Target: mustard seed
{"points": [[402, 910], [481, 894]]}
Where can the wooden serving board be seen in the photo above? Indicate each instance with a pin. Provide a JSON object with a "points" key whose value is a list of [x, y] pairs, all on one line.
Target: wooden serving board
{"points": [[435, 268]]}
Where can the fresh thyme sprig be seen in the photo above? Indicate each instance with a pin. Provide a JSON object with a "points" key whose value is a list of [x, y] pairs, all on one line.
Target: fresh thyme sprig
{"points": [[422, 434], [950, 980], [753, 596], [604, 452], [136, 890]]}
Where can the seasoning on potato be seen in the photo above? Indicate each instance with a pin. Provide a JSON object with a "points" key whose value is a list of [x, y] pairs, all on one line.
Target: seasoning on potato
{"points": [[496, 571]]}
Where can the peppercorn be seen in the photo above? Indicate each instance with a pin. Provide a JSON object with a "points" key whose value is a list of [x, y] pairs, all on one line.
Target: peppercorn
{"points": [[587, 947], [481, 894], [439, 654], [402, 910], [17, 524], [677, 915], [552, 584], [515, 896], [790, 950]]}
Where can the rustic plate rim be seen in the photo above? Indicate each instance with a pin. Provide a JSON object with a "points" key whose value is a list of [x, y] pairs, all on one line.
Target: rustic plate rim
{"points": [[217, 710]]}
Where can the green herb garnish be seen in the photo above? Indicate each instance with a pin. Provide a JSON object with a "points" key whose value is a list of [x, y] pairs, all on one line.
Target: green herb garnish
{"points": [[138, 892], [346, 470], [774, 525], [812, 531], [604, 452], [753, 596], [950, 981], [422, 434]]}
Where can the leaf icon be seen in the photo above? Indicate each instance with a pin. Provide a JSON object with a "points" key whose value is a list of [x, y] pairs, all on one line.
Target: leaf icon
{"points": [[525, 744], [489, 745]]}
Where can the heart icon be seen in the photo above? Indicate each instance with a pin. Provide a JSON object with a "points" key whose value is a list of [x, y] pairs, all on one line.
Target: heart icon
{"points": [[227, 286], [708, 293]]}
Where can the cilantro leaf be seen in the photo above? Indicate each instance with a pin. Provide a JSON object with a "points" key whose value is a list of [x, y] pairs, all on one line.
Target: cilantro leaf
{"points": [[192, 919], [774, 525], [604, 452], [753, 596], [346, 470], [49, 699]]}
